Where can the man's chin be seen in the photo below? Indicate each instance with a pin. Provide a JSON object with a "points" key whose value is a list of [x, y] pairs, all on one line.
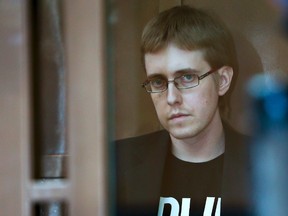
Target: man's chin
{"points": [[182, 133]]}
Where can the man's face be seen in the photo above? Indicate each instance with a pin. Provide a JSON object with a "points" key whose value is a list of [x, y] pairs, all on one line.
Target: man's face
{"points": [[183, 113]]}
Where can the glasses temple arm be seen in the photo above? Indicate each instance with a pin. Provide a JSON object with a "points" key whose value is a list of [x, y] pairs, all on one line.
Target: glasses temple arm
{"points": [[206, 74]]}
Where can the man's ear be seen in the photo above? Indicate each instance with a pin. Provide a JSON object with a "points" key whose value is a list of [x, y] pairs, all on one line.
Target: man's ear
{"points": [[225, 79]]}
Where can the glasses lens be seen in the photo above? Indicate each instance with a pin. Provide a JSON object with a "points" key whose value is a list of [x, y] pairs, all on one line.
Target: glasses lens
{"points": [[187, 80], [157, 84]]}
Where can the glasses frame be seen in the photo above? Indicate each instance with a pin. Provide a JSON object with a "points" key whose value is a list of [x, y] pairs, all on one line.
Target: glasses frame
{"points": [[144, 84]]}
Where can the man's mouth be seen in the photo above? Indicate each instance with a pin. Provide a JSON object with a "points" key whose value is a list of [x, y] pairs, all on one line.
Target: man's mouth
{"points": [[178, 116]]}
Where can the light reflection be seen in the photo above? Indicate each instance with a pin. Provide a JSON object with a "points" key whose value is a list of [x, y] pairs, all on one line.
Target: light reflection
{"points": [[269, 147]]}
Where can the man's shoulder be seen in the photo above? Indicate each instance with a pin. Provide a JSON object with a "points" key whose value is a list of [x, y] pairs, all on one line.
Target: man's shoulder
{"points": [[144, 149], [143, 144], [234, 135], [237, 149]]}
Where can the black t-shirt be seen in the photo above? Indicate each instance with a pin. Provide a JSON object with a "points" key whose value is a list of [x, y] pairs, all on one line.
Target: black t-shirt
{"points": [[191, 187]]}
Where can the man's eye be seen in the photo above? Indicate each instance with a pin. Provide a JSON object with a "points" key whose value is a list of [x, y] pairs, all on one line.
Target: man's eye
{"points": [[157, 83], [187, 77]]}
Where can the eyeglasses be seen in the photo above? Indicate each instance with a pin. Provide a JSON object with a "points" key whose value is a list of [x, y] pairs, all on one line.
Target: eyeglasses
{"points": [[187, 80]]}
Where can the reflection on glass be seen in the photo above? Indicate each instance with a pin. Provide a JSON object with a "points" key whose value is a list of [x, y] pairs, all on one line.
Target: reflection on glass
{"points": [[269, 148]]}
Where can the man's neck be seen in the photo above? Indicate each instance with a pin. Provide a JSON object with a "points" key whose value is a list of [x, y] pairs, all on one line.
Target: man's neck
{"points": [[205, 146]]}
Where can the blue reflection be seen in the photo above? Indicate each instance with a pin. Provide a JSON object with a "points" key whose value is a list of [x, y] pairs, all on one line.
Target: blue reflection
{"points": [[269, 147], [276, 106]]}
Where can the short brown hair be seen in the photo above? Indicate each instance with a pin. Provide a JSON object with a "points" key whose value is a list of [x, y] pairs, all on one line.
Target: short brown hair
{"points": [[190, 29]]}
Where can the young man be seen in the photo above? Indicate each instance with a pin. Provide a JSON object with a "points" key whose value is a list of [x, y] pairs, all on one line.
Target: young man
{"points": [[197, 165]]}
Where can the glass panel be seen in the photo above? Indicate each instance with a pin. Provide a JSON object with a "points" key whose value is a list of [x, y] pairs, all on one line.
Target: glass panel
{"points": [[135, 113], [130, 109]]}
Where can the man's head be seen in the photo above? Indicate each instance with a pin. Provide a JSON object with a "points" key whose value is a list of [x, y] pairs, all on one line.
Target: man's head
{"points": [[190, 29], [180, 47]]}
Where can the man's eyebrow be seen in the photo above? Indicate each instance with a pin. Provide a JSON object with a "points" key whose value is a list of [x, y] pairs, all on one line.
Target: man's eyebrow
{"points": [[156, 75], [176, 73], [186, 70]]}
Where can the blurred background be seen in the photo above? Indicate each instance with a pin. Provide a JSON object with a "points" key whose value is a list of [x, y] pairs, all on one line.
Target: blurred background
{"points": [[70, 84]]}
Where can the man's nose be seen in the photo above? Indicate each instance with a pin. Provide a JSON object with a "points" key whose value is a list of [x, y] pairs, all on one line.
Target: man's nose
{"points": [[173, 94]]}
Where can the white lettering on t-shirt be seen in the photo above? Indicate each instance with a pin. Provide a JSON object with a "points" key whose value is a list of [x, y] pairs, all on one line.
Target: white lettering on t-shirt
{"points": [[209, 206], [185, 206], [168, 200], [218, 208]]}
